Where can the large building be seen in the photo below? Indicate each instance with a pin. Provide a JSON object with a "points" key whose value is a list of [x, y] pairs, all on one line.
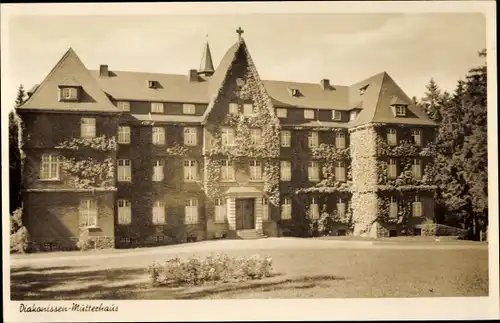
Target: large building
{"points": [[132, 159]]}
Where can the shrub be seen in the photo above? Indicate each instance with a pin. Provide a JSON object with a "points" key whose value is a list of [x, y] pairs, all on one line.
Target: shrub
{"points": [[428, 228], [195, 271], [18, 233]]}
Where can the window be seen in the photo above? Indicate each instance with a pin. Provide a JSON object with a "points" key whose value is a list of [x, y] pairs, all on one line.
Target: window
{"points": [[392, 168], [353, 115], [220, 211], [286, 208], [340, 171], [156, 107], [124, 212], [49, 167], [227, 135], [281, 112], [125, 240], [286, 171], [158, 170], [123, 105], [68, 93], [314, 208], [265, 209], [233, 108], [255, 170], [312, 139], [191, 211], [336, 115], [400, 110], [158, 136], [340, 140], [416, 169], [313, 171], [416, 137], [190, 136], [124, 170], [341, 207], [88, 213], [248, 109], [393, 207], [124, 135], [286, 137], [255, 136], [227, 170], [308, 114], [391, 137], [190, 170], [188, 108], [416, 207], [158, 212], [87, 129]]}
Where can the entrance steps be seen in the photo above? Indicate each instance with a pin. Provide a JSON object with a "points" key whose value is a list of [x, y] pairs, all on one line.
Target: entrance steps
{"points": [[250, 234]]}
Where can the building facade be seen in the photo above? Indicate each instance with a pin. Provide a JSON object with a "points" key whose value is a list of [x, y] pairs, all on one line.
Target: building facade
{"points": [[122, 159]]}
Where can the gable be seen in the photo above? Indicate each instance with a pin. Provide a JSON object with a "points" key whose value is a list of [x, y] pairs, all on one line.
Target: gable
{"points": [[69, 71]]}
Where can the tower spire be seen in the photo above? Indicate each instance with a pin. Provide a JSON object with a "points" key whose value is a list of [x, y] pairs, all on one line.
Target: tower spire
{"points": [[206, 65]]}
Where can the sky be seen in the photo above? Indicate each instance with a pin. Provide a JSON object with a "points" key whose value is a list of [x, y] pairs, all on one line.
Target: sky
{"points": [[345, 48]]}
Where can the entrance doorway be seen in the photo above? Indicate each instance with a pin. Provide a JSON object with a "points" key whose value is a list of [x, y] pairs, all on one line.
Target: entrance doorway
{"points": [[245, 218]]}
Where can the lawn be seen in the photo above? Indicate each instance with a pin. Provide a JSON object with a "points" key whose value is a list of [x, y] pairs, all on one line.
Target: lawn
{"points": [[302, 269]]}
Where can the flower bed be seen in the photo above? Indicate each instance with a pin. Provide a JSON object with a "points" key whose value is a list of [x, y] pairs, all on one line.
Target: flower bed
{"points": [[220, 268]]}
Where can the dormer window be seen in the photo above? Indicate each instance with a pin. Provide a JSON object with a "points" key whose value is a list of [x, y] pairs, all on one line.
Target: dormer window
{"points": [[363, 90], [400, 110], [294, 92], [336, 115], [353, 115], [188, 108], [152, 84], [68, 94]]}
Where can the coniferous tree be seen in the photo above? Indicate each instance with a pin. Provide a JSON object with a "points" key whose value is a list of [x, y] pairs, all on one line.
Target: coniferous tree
{"points": [[430, 102], [14, 153]]}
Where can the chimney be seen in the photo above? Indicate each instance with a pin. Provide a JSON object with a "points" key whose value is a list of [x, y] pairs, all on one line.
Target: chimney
{"points": [[193, 75], [325, 84], [103, 71]]}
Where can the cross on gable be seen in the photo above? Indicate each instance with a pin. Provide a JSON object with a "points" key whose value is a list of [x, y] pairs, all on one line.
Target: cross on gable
{"points": [[239, 31]]}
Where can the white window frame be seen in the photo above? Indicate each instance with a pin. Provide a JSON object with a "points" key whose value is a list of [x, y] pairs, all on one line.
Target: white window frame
{"points": [[220, 211], [124, 211], [255, 170], [314, 208], [309, 114], [336, 115], [416, 136], [285, 171], [286, 208], [188, 108], [190, 136], [227, 136], [313, 171], [69, 93], [123, 105], [400, 110], [281, 113], [191, 215], [88, 213], [234, 108], [248, 109], [158, 213], [353, 115], [392, 137], [124, 135], [124, 170], [340, 171], [265, 209], [286, 138], [312, 139], [50, 167], [87, 128], [255, 136], [340, 141], [416, 207], [341, 207], [156, 107], [158, 166], [227, 170], [416, 168], [190, 170], [393, 207], [392, 168], [158, 136]]}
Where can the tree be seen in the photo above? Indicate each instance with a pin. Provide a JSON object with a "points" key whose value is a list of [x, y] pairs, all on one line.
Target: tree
{"points": [[430, 102], [14, 154]]}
